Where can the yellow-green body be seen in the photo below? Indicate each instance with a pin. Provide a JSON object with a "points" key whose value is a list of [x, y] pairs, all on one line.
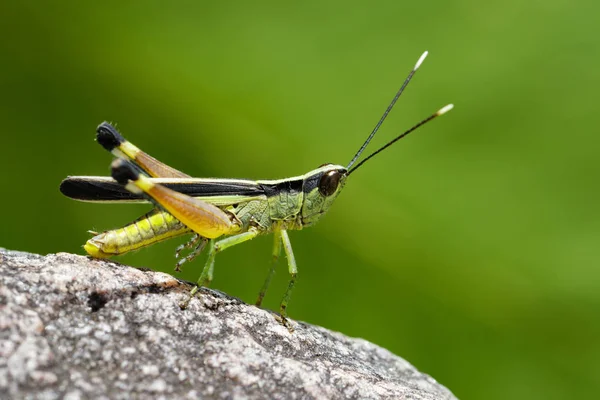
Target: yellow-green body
{"points": [[283, 206]]}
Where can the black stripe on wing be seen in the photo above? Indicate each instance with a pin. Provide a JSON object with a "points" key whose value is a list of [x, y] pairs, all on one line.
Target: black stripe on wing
{"points": [[99, 188]]}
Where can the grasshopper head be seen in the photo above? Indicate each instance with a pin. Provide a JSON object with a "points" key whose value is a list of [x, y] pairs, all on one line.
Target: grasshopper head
{"points": [[321, 187]]}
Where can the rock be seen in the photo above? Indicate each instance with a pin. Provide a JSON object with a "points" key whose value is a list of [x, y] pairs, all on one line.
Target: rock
{"points": [[74, 327]]}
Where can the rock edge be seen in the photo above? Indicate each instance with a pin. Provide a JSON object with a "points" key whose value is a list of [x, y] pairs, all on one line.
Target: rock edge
{"points": [[74, 327]]}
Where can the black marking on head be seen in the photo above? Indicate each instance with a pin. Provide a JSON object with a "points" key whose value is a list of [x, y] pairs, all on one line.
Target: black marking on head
{"points": [[329, 182], [123, 171], [311, 182], [108, 136], [289, 186]]}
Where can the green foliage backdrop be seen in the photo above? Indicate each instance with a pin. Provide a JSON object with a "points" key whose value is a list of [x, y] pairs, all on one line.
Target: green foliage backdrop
{"points": [[470, 248]]}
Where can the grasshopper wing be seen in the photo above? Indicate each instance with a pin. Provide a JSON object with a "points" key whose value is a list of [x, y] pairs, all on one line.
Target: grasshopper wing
{"points": [[106, 189]]}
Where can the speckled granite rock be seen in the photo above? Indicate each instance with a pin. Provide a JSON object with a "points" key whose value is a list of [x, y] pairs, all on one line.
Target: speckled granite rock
{"points": [[72, 327]]}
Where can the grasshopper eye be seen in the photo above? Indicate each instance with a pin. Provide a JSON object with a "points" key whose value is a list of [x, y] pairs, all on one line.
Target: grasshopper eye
{"points": [[329, 183]]}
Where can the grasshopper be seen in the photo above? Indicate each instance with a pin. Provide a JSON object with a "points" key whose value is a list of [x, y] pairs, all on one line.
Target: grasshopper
{"points": [[219, 213]]}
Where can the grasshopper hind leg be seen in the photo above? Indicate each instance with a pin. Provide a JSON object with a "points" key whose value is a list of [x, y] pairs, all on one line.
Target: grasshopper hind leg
{"points": [[110, 138]]}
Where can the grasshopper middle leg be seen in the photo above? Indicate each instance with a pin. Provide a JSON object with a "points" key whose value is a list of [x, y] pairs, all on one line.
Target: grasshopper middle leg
{"points": [[214, 248]]}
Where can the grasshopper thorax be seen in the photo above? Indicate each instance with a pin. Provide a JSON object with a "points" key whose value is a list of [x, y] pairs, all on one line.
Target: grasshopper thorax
{"points": [[321, 187]]}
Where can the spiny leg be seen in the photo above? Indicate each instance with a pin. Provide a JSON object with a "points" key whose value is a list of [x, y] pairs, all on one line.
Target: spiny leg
{"points": [[189, 244], [214, 248], [198, 242], [108, 136], [293, 270], [276, 254]]}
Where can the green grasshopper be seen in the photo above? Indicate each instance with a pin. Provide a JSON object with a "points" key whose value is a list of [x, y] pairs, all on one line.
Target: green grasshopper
{"points": [[219, 213]]}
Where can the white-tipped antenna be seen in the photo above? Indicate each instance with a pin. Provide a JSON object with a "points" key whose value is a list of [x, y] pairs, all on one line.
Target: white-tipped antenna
{"points": [[445, 109], [387, 111], [418, 64], [439, 112]]}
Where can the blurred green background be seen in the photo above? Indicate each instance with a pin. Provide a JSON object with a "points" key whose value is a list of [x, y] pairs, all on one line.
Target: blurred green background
{"points": [[470, 248]]}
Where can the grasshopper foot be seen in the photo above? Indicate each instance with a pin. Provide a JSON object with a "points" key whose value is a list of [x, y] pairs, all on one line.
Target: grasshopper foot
{"points": [[259, 300], [185, 303], [282, 319], [285, 322]]}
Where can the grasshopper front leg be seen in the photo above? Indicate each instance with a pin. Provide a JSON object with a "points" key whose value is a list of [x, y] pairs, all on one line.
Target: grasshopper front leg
{"points": [[281, 236], [276, 254]]}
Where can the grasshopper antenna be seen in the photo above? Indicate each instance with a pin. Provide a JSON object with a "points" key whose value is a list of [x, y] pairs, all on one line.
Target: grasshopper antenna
{"points": [[387, 111], [439, 112]]}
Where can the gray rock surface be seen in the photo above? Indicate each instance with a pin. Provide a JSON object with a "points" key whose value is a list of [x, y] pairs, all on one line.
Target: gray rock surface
{"points": [[73, 327]]}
